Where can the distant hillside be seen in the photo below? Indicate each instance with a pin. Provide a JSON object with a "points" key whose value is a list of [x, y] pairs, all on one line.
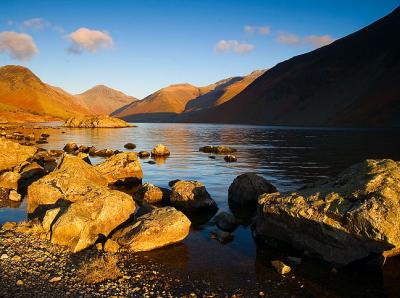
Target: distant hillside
{"points": [[23, 92], [178, 102], [222, 92], [164, 103], [102, 100], [355, 81]]}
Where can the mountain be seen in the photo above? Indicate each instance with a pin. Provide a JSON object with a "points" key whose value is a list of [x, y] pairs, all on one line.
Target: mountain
{"points": [[354, 81], [178, 102], [103, 100], [222, 92], [23, 93], [161, 105]]}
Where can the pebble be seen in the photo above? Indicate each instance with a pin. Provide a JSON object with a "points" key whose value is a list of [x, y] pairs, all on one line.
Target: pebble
{"points": [[55, 279], [16, 258], [19, 282], [4, 256]]}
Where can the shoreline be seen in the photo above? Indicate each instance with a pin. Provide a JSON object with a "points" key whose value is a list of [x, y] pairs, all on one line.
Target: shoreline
{"points": [[38, 262]]}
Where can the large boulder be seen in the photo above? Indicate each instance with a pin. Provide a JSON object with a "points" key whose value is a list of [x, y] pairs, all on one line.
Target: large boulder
{"points": [[13, 154], [192, 196], [121, 168], [101, 211], [75, 204], [95, 122], [353, 216], [246, 188], [160, 227], [72, 179]]}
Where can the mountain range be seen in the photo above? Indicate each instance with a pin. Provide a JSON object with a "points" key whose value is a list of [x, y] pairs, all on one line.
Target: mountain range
{"points": [[352, 82], [176, 102]]}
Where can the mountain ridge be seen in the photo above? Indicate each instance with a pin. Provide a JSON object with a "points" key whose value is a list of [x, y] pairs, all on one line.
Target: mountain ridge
{"points": [[354, 81]]}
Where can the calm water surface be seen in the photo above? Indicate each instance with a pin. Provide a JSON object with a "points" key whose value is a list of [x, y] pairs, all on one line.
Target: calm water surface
{"points": [[288, 157]]}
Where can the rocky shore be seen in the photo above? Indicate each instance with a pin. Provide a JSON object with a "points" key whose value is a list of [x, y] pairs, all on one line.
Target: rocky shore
{"points": [[100, 218], [33, 267]]}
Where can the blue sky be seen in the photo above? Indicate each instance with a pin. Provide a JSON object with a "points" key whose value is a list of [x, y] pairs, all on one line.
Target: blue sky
{"points": [[141, 46]]}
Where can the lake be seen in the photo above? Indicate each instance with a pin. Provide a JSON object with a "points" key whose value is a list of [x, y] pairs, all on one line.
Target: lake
{"points": [[287, 156]]}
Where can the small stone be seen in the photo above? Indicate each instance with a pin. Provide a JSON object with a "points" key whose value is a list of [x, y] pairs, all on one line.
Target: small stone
{"points": [[20, 282], [55, 279], [9, 225], [281, 267], [99, 246], [230, 158], [144, 154], [3, 257], [14, 196], [111, 246], [16, 259], [130, 146]]}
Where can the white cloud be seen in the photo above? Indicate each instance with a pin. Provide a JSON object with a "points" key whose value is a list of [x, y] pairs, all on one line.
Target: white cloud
{"points": [[85, 39], [262, 30], [318, 40], [35, 24], [18, 46], [38, 24], [226, 46], [315, 41], [288, 38]]}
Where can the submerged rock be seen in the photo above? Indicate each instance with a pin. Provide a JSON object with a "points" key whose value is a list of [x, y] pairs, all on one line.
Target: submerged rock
{"points": [[192, 196], [246, 188], [160, 150], [104, 153], [353, 216], [230, 158], [217, 149], [123, 168], [144, 154], [225, 221], [160, 227], [70, 147], [95, 122], [129, 146]]}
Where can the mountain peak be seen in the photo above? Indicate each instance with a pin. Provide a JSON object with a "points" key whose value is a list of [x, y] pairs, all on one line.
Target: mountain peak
{"points": [[102, 99], [17, 72]]}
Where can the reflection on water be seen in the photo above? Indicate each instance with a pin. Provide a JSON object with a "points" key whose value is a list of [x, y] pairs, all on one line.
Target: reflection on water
{"points": [[289, 157]]}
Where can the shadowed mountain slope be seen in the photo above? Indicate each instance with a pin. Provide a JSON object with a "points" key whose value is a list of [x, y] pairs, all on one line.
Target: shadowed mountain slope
{"points": [[355, 81]]}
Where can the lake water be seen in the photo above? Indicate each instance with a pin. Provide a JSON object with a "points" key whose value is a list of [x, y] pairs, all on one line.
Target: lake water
{"points": [[288, 157]]}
